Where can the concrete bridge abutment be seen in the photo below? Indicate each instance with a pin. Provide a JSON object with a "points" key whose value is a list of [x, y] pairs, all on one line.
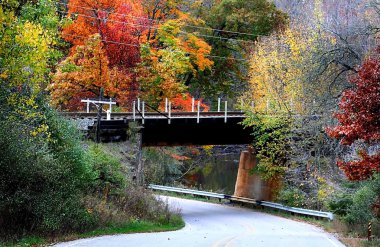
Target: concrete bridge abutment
{"points": [[252, 185]]}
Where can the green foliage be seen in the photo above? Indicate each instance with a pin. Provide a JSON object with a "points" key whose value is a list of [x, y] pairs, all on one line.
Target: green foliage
{"points": [[256, 17], [138, 226], [292, 197], [42, 182], [270, 140], [356, 202], [108, 169], [340, 204], [44, 170], [361, 210]]}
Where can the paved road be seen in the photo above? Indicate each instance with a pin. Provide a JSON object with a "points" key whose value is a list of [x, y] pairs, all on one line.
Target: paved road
{"points": [[213, 225]]}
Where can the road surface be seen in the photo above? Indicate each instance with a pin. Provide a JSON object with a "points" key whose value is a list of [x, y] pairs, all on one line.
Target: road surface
{"points": [[215, 225]]}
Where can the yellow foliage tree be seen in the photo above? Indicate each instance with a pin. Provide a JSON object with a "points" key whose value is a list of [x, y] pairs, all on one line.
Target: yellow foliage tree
{"points": [[281, 71]]}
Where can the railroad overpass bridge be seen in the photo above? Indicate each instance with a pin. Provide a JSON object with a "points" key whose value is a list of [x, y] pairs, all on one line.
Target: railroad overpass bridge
{"points": [[186, 128], [174, 129]]}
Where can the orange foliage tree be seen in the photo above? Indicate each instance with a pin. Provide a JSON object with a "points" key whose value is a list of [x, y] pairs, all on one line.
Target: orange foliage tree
{"points": [[116, 21], [82, 74], [120, 26]]}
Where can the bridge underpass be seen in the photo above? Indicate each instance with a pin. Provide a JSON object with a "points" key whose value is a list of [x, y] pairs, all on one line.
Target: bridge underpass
{"points": [[188, 129]]}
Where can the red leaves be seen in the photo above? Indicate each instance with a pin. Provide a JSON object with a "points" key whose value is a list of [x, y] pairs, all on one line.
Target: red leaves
{"points": [[362, 169], [359, 119], [183, 102]]}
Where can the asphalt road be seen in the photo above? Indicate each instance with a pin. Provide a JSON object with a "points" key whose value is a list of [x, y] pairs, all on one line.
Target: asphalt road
{"points": [[213, 225]]}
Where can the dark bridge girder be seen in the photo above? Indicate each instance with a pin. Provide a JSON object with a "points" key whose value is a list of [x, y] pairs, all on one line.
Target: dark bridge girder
{"points": [[185, 132], [183, 129]]}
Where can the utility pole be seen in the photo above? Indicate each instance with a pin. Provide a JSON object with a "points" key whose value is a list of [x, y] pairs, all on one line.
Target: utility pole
{"points": [[140, 164], [99, 116]]}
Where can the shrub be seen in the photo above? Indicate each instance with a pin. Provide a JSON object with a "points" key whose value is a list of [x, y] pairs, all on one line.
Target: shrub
{"points": [[340, 204], [292, 197], [42, 178], [110, 173], [363, 200]]}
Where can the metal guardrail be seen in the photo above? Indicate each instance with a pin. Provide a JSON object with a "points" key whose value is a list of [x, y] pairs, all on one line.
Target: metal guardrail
{"points": [[278, 206], [187, 191], [303, 211]]}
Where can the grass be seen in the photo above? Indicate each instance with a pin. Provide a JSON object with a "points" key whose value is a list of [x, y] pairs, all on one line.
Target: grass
{"points": [[175, 223], [136, 227]]}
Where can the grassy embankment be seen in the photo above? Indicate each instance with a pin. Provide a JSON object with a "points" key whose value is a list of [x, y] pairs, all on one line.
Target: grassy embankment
{"points": [[175, 223]]}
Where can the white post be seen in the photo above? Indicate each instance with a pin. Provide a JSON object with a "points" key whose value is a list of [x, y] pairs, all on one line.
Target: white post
{"points": [[138, 104], [225, 111], [192, 105], [166, 104], [88, 105], [108, 114], [199, 109], [110, 105], [170, 112], [143, 112], [134, 110], [218, 104]]}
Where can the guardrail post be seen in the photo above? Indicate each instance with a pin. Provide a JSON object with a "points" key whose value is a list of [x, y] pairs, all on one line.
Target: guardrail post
{"points": [[192, 104], [225, 111], [218, 104], [110, 105], [241, 105], [143, 112], [138, 104], [166, 104], [170, 113], [134, 110], [198, 113], [370, 231]]}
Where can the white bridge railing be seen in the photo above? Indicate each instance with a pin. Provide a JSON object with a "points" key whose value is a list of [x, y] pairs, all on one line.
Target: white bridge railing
{"points": [[139, 110]]}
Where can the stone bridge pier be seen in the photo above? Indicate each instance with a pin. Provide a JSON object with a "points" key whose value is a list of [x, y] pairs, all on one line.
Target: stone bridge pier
{"points": [[252, 185]]}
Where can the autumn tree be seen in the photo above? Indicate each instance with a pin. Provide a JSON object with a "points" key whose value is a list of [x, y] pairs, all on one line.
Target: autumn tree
{"points": [[231, 27], [359, 120], [82, 74], [115, 21], [159, 11], [164, 69]]}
